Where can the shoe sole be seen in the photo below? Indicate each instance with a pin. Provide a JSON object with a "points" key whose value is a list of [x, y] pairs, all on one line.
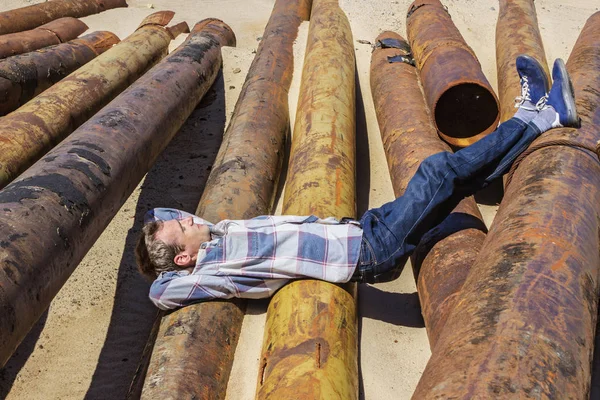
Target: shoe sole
{"points": [[568, 95]]}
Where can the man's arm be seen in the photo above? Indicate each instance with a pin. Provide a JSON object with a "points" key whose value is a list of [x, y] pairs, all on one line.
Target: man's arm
{"points": [[180, 288], [166, 214]]}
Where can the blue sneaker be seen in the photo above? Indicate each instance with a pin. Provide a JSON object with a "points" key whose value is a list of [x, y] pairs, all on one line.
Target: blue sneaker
{"points": [[561, 97], [534, 83]]}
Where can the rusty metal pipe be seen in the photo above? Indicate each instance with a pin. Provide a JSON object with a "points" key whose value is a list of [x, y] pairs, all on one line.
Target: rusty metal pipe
{"points": [[34, 128], [241, 185], [524, 324], [461, 100], [25, 76], [517, 32], [310, 346], [443, 259], [25, 18], [55, 32], [55, 211]]}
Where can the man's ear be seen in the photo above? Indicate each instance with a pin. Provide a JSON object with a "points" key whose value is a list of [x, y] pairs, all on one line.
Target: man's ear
{"points": [[182, 259]]}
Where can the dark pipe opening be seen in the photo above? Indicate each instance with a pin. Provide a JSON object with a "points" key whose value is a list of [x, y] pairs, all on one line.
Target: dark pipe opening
{"points": [[465, 110]]}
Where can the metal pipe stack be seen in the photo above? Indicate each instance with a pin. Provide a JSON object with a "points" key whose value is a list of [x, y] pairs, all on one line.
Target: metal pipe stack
{"points": [[241, 185], [310, 347], [55, 211], [525, 321], [25, 76], [443, 259], [34, 128]]}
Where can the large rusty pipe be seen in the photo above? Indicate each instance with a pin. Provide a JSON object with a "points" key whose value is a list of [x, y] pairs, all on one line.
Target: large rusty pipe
{"points": [[443, 260], [517, 32], [24, 18], [55, 32], [310, 346], [241, 185], [461, 100], [524, 324], [34, 128], [54, 212], [25, 76]]}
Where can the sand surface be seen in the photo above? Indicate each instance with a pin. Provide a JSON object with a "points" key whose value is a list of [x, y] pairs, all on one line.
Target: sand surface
{"points": [[88, 343]]}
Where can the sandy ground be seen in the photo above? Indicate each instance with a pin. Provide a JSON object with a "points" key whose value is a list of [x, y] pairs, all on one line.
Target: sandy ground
{"points": [[89, 341]]}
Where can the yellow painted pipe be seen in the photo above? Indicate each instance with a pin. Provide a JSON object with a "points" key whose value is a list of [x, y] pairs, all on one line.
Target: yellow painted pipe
{"points": [[30, 131], [310, 343]]}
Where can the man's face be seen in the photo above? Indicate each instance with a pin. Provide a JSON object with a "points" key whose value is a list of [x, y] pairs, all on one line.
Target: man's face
{"points": [[187, 234]]}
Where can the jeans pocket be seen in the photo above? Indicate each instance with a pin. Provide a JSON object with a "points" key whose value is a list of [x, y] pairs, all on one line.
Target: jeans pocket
{"points": [[367, 255]]}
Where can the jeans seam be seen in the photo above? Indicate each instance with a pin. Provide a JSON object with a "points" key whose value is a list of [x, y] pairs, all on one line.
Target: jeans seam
{"points": [[370, 248]]}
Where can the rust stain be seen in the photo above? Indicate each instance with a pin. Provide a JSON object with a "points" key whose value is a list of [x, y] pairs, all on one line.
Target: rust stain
{"points": [[55, 32], [454, 84], [517, 32], [25, 18]]}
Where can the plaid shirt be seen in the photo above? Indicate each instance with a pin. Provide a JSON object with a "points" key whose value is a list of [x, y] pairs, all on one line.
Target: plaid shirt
{"points": [[253, 258]]}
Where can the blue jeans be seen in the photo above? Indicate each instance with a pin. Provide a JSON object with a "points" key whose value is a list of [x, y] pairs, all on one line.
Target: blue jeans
{"points": [[393, 231]]}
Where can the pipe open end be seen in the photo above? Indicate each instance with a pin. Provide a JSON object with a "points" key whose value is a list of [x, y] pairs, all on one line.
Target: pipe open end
{"points": [[466, 111]]}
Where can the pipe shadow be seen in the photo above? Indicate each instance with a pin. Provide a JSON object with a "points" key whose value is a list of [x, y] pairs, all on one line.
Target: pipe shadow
{"points": [[15, 363], [176, 180], [283, 170], [401, 309], [363, 158]]}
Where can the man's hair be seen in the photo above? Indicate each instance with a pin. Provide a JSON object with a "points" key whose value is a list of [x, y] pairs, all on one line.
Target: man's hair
{"points": [[154, 256]]}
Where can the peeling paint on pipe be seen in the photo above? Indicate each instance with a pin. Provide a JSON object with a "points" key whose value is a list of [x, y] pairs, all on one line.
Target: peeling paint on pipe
{"points": [[310, 346], [241, 185], [517, 33], [34, 128], [461, 100], [444, 258], [524, 324], [55, 32], [25, 76], [25, 18], [55, 211]]}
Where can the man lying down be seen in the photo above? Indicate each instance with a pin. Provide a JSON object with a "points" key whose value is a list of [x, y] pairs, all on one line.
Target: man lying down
{"points": [[192, 260]]}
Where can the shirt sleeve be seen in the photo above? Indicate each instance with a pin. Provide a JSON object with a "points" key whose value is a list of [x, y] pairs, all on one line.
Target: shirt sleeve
{"points": [[166, 214], [179, 288]]}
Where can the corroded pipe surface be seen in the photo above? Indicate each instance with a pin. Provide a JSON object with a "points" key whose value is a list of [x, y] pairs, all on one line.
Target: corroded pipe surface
{"points": [[34, 128], [57, 209], [524, 324], [444, 258], [241, 185], [55, 32], [311, 341], [459, 96], [517, 32], [25, 76], [24, 18]]}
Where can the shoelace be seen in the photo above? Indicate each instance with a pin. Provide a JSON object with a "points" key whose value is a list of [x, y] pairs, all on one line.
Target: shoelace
{"points": [[541, 103], [525, 95]]}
